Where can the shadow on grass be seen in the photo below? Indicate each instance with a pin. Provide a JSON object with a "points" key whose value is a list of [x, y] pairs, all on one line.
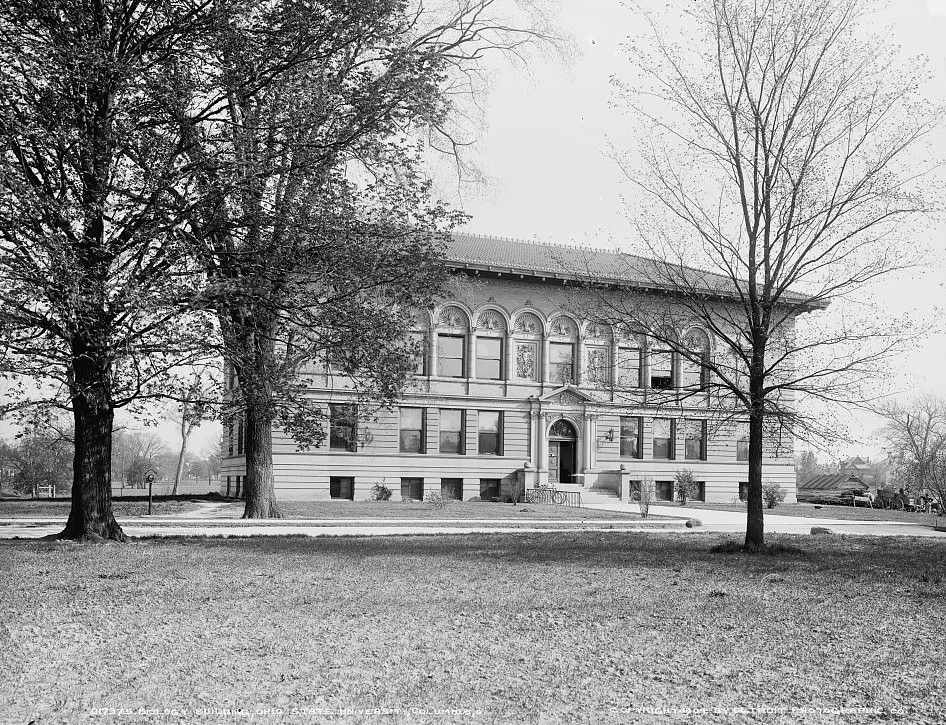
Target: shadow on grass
{"points": [[848, 556]]}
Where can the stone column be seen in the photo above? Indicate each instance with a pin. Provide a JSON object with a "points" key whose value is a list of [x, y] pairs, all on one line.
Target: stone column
{"points": [[432, 363], [545, 360], [471, 354], [510, 352]]}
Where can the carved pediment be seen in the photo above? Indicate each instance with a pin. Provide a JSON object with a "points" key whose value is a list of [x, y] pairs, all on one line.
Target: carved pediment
{"points": [[568, 395]]}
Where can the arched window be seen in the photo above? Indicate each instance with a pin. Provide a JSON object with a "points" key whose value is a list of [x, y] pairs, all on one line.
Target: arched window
{"points": [[452, 328], [563, 335], [490, 337], [563, 429], [527, 336]]}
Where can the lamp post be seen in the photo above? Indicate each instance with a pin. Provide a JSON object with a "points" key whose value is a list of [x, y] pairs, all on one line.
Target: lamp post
{"points": [[149, 477]]}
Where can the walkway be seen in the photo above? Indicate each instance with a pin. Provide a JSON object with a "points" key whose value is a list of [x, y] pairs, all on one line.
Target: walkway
{"points": [[735, 521]]}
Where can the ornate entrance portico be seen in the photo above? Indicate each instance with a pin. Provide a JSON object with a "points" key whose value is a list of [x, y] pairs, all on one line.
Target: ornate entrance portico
{"points": [[563, 435]]}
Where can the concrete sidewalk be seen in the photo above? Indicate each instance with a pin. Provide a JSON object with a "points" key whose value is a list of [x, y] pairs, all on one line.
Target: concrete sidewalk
{"points": [[735, 521], [34, 529]]}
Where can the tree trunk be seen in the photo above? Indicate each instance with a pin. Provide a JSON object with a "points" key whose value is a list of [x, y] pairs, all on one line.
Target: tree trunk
{"points": [[755, 538], [91, 517], [258, 449]]}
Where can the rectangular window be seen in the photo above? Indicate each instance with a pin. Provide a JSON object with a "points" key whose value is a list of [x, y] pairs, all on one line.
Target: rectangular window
{"points": [[230, 437], [661, 369], [694, 440], [451, 351], [742, 442], [629, 367], [452, 425], [412, 488], [631, 430], [663, 490], [489, 489], [228, 487], [343, 427], [342, 487], [700, 494], [490, 433], [452, 488], [413, 430], [562, 362], [239, 439], [489, 358], [663, 438], [743, 490]]}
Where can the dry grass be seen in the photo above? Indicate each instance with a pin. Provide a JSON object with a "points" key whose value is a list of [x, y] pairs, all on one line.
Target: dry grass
{"points": [[847, 513], [39, 508], [393, 510], [527, 628]]}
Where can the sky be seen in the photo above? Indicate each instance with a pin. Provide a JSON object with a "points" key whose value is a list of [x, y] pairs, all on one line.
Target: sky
{"points": [[545, 152]]}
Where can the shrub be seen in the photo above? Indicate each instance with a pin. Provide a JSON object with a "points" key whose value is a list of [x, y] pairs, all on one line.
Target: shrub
{"points": [[380, 492], [772, 494], [474, 499], [438, 500], [645, 495], [685, 485]]}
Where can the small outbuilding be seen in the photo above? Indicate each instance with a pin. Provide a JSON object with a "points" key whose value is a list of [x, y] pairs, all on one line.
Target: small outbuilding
{"points": [[830, 485]]}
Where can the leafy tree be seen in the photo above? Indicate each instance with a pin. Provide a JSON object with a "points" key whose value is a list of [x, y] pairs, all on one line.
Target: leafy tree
{"points": [[94, 283], [775, 157], [314, 224], [39, 457]]}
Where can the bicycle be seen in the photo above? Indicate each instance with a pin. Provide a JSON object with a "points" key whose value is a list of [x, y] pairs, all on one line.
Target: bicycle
{"points": [[547, 494]]}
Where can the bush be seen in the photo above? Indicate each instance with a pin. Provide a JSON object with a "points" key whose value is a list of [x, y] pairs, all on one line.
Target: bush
{"points": [[645, 495], [772, 494], [438, 500], [685, 485], [380, 492]]}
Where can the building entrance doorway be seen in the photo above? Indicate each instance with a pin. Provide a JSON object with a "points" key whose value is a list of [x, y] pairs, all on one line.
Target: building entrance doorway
{"points": [[562, 450]]}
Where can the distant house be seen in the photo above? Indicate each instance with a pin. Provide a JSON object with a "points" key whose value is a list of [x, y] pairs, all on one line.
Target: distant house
{"points": [[829, 485], [862, 468]]}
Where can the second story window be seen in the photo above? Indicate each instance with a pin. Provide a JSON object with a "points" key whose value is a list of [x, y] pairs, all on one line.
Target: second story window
{"points": [[412, 430], [451, 351], [629, 367], [343, 427], [562, 362], [661, 370], [489, 358]]}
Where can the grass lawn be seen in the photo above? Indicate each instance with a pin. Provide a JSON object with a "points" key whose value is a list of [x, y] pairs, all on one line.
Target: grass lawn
{"points": [[852, 513], [32, 508], [422, 510], [528, 628]]}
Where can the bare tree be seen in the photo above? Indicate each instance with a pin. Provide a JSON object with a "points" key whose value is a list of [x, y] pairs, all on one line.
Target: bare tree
{"points": [[915, 436], [775, 156]]}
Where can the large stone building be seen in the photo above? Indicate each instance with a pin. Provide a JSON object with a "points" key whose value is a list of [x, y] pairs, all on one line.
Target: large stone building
{"points": [[517, 389]]}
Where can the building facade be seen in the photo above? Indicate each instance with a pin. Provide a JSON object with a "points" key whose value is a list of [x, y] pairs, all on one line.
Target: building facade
{"points": [[515, 390]]}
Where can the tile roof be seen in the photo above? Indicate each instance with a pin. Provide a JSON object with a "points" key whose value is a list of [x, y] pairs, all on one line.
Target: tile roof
{"points": [[473, 251], [832, 481]]}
